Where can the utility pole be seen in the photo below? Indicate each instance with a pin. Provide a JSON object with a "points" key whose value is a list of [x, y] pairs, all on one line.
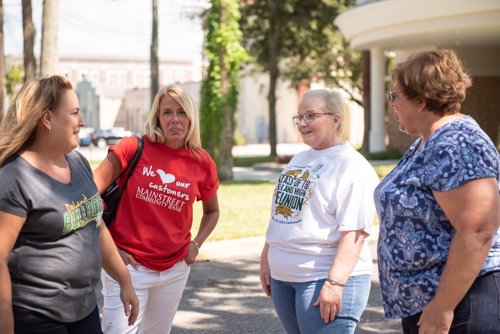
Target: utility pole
{"points": [[155, 87], [49, 56], [28, 42]]}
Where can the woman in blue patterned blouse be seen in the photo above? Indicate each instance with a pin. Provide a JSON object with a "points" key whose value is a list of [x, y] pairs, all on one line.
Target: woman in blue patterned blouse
{"points": [[439, 209]]}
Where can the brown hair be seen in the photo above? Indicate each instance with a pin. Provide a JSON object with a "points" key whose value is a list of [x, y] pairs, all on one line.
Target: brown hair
{"points": [[436, 76], [17, 129]]}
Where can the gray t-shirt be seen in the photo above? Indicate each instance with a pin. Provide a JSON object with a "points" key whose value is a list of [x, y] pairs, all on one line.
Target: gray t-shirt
{"points": [[55, 263]]}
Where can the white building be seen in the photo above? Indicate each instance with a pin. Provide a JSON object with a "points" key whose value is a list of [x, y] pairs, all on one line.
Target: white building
{"points": [[252, 119], [471, 28]]}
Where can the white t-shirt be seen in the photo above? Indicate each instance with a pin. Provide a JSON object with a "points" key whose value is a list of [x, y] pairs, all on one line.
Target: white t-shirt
{"points": [[319, 195]]}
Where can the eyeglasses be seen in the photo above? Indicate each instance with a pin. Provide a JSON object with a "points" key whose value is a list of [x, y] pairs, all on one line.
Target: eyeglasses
{"points": [[392, 96], [308, 118]]}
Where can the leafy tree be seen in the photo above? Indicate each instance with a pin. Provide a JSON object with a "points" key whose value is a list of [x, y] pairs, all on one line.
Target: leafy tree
{"points": [[14, 78], [219, 90], [297, 40]]}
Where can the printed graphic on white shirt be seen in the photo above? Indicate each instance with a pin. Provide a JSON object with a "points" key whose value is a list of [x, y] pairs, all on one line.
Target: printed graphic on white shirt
{"points": [[159, 191], [294, 189]]}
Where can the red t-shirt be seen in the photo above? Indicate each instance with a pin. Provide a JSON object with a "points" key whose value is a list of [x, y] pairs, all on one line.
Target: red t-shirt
{"points": [[155, 213]]}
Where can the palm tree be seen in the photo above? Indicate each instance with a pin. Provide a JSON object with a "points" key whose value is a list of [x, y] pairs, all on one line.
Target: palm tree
{"points": [[154, 53], [29, 42], [49, 55]]}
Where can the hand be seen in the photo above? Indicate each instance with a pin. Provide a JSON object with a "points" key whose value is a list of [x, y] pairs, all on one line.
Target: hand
{"points": [[130, 303], [192, 254], [329, 301], [128, 258], [435, 320], [265, 277]]}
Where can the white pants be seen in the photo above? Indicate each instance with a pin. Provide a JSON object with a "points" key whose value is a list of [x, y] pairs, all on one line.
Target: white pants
{"points": [[159, 294]]}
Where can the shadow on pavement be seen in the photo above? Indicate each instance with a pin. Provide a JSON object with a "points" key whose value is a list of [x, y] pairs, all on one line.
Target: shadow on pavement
{"points": [[373, 319], [225, 296]]}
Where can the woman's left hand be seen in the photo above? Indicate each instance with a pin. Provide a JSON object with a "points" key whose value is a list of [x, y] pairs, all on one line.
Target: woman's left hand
{"points": [[435, 320], [192, 254], [329, 301], [130, 303]]}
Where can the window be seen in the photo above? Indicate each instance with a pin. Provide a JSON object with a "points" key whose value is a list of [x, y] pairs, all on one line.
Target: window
{"points": [[110, 78], [137, 79], [147, 78], [65, 72], [168, 78], [122, 78], [83, 75], [180, 77], [95, 77]]}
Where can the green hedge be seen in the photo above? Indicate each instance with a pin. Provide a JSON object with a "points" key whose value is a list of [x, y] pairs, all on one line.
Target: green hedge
{"points": [[387, 155], [250, 161]]}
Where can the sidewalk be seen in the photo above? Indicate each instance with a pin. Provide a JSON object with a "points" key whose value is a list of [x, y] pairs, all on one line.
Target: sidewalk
{"points": [[246, 246], [224, 294]]}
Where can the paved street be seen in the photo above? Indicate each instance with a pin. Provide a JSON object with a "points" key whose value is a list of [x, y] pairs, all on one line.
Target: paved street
{"points": [[225, 296]]}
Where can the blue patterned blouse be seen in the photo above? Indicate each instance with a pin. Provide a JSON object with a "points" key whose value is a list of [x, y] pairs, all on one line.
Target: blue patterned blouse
{"points": [[415, 234]]}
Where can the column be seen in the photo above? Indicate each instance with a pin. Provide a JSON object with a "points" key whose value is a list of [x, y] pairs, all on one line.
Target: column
{"points": [[377, 90]]}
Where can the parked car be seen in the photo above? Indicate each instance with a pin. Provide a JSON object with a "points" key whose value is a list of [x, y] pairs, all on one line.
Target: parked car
{"points": [[84, 136], [102, 138]]}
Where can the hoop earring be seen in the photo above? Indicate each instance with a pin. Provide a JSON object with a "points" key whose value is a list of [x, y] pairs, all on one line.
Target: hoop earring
{"points": [[48, 130]]}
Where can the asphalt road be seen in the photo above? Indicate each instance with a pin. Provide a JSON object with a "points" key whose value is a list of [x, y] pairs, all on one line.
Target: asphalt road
{"points": [[225, 296]]}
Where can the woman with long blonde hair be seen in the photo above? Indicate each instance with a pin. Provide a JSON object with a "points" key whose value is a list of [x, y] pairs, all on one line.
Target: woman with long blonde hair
{"points": [[155, 214], [52, 242]]}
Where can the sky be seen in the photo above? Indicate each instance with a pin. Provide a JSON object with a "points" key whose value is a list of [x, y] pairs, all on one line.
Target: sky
{"points": [[120, 28]]}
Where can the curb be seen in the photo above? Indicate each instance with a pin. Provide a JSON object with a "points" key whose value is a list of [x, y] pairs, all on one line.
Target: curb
{"points": [[246, 246], [268, 166], [276, 167]]}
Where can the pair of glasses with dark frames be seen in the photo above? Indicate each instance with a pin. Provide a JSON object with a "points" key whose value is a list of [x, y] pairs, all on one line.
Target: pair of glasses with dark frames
{"points": [[308, 118], [392, 95]]}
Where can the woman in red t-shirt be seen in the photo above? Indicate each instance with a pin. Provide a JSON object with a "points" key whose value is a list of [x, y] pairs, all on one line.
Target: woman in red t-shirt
{"points": [[154, 217]]}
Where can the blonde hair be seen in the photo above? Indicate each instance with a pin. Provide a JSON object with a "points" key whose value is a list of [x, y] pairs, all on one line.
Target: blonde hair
{"points": [[153, 128], [334, 103], [17, 129]]}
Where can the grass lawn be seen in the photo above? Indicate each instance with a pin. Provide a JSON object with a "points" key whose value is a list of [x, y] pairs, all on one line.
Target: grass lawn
{"points": [[245, 208]]}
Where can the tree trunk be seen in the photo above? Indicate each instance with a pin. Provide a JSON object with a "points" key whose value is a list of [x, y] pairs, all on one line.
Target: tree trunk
{"points": [[2, 66], [225, 167], [274, 30], [49, 57], [155, 87], [29, 42], [366, 100]]}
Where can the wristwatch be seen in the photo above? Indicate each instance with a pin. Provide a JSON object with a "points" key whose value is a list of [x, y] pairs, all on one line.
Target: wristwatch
{"points": [[334, 282]]}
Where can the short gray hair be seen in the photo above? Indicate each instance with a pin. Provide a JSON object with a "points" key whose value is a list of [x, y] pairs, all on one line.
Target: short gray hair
{"points": [[333, 101]]}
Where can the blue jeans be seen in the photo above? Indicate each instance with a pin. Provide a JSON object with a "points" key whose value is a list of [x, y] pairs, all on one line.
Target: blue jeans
{"points": [[294, 305], [477, 312]]}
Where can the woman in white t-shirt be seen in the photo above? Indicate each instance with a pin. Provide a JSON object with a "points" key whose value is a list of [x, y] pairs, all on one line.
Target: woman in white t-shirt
{"points": [[316, 263]]}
